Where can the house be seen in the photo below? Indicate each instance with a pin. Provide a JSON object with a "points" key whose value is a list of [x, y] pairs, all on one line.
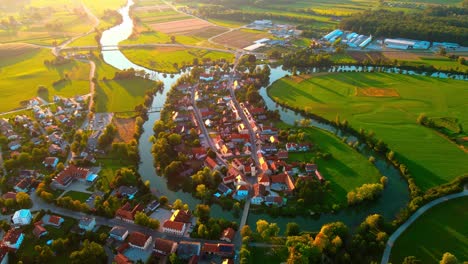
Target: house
{"points": [[139, 240], [258, 193], [199, 153], [224, 189], [50, 162], [122, 259], [207, 77], [224, 250], [282, 155], [174, 228], [240, 138], [15, 145], [55, 220], [127, 191], [152, 206], [310, 168], [9, 195], [282, 182], [126, 212], [181, 216], [228, 235], [211, 163], [292, 147], [242, 191], [71, 173], [238, 165], [164, 247], [187, 249], [23, 185], [274, 200], [54, 149], [13, 238], [119, 233], [264, 180], [22, 217], [39, 231], [87, 223]]}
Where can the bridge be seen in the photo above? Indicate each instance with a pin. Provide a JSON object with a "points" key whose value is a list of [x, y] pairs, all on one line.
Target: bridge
{"points": [[155, 109]]}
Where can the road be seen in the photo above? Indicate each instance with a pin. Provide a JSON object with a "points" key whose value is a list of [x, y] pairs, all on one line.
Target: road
{"points": [[40, 204], [416, 215], [201, 124]]}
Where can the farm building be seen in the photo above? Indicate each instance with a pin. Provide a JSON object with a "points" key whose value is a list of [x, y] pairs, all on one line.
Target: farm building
{"points": [[355, 40], [405, 44], [446, 45], [332, 36]]}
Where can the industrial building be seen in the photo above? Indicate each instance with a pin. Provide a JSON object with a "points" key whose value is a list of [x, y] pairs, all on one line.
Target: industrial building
{"points": [[332, 36], [405, 44], [352, 39]]}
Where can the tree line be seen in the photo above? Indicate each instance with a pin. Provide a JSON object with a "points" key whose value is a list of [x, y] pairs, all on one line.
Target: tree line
{"points": [[435, 24]]}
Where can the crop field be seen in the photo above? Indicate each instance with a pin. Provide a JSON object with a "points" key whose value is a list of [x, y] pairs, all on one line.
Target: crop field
{"points": [[180, 26], [431, 158], [423, 239], [346, 170], [44, 22], [164, 58], [22, 74], [125, 129], [240, 38]]}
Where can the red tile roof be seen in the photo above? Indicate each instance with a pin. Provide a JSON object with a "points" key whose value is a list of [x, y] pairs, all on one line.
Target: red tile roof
{"points": [[69, 173], [228, 234], [211, 163], [163, 245], [122, 259], [9, 195], [208, 247], [181, 216], [49, 161], [12, 236], [53, 219], [173, 225], [39, 230], [138, 239]]}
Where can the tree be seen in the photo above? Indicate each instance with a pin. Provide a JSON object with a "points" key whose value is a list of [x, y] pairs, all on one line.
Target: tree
{"points": [[292, 229], [448, 258], [163, 200], [411, 260], [202, 191], [91, 252], [202, 211], [173, 39], [246, 231], [177, 204], [23, 200]]}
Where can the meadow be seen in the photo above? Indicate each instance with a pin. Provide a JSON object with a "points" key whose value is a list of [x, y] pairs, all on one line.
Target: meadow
{"points": [[118, 95], [22, 74], [346, 169], [163, 59], [439, 230], [431, 158]]}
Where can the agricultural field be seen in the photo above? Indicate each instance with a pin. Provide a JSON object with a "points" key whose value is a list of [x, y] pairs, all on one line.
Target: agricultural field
{"points": [[240, 38], [125, 129], [445, 222], [163, 59], [160, 23], [389, 105], [346, 169], [118, 95], [426, 59], [22, 73], [43, 22]]}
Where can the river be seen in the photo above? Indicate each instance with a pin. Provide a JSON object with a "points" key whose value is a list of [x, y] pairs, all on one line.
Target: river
{"points": [[394, 197]]}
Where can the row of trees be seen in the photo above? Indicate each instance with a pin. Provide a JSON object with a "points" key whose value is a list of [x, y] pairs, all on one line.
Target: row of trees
{"points": [[429, 25]]}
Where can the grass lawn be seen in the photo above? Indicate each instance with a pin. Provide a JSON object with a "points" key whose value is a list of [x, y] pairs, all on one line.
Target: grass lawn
{"points": [[163, 59], [21, 75], [441, 229], [107, 174], [27, 252], [118, 95], [346, 170], [80, 196], [442, 63], [431, 158]]}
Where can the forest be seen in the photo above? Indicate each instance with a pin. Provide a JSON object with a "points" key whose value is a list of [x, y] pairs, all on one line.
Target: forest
{"points": [[440, 24]]}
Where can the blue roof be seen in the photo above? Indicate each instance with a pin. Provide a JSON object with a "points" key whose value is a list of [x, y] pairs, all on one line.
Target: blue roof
{"points": [[24, 213], [91, 177]]}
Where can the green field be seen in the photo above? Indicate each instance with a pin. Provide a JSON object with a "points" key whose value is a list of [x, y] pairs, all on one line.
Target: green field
{"points": [[441, 229], [163, 59], [22, 74], [346, 170], [441, 63], [431, 158], [118, 95], [80, 196]]}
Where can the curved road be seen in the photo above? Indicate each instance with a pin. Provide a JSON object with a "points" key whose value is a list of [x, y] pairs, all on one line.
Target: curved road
{"points": [[416, 215]]}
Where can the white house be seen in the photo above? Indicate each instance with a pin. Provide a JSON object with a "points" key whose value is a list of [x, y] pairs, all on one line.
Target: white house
{"points": [[22, 217], [139, 240], [87, 223]]}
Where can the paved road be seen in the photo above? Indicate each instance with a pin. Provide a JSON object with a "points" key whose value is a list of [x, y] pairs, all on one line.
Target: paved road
{"points": [[416, 215]]}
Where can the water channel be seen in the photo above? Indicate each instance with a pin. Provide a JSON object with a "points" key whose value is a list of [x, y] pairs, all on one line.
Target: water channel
{"points": [[394, 197]]}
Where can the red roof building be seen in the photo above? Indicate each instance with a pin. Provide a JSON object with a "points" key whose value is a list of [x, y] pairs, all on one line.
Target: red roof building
{"points": [[70, 173], [175, 228], [228, 234], [122, 259], [126, 212], [211, 163], [139, 240]]}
